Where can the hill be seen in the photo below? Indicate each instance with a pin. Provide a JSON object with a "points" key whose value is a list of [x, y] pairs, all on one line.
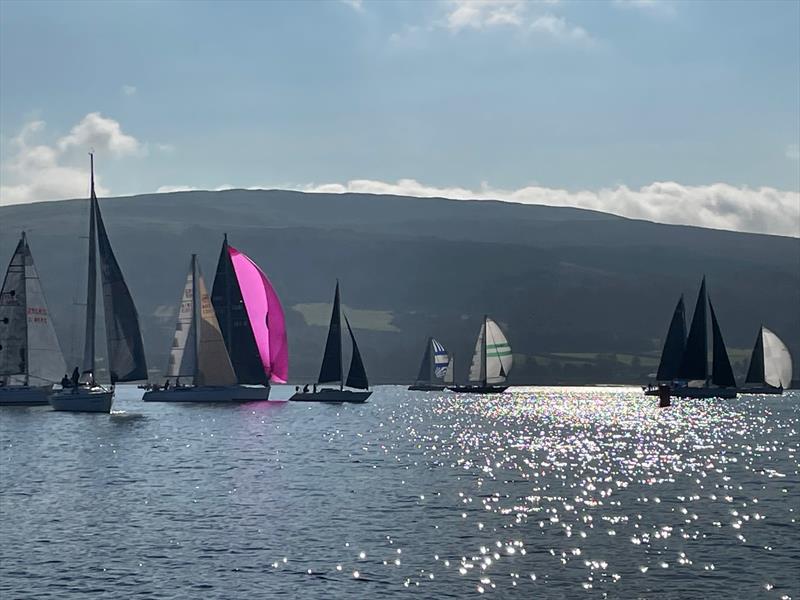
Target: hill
{"points": [[584, 296]]}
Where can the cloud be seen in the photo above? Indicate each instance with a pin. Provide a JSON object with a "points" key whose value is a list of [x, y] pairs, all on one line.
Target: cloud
{"points": [[793, 152], [357, 5], [129, 90], [659, 8], [168, 189], [50, 172], [520, 14], [99, 132], [717, 206]]}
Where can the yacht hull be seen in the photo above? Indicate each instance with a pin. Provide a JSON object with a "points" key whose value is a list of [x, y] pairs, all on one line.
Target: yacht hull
{"points": [[96, 400], [23, 395], [696, 392], [762, 390], [228, 393], [427, 387], [331, 395], [478, 389]]}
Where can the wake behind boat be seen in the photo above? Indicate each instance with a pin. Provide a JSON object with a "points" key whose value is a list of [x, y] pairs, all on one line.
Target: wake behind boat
{"points": [[30, 357], [199, 351], [332, 369], [126, 360], [436, 367], [491, 362]]}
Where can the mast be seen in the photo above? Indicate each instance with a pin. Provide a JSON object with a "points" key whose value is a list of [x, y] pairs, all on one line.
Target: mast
{"points": [[332, 369], [227, 281], [91, 282], [26, 252], [483, 350], [694, 364], [338, 308], [196, 308]]}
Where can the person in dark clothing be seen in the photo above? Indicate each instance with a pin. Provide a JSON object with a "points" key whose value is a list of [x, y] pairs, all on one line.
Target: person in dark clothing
{"points": [[76, 376], [166, 384], [305, 389], [65, 382]]}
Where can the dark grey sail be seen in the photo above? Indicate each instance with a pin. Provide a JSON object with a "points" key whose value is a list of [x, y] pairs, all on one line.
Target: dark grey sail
{"points": [[674, 345], [226, 296], [331, 369], [694, 363], [126, 360], [721, 371], [755, 374], [357, 375], [424, 375], [13, 316]]}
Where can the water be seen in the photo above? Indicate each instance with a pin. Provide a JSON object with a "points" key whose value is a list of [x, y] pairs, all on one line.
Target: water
{"points": [[543, 492]]}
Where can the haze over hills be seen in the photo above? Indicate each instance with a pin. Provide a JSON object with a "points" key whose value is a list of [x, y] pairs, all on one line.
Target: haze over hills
{"points": [[584, 296]]}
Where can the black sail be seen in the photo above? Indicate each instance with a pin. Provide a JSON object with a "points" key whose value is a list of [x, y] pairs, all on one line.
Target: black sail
{"points": [[357, 375], [694, 364], [331, 369], [424, 375], [674, 345], [721, 372], [226, 296], [126, 360], [755, 374], [13, 316]]}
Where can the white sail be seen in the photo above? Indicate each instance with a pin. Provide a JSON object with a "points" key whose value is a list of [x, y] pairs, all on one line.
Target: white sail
{"points": [[777, 360], [214, 363], [477, 370], [183, 363], [448, 376], [498, 354], [45, 360]]}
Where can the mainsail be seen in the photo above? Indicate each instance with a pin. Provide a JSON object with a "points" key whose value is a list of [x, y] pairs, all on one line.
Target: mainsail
{"points": [[674, 345], [424, 375], [721, 372], [492, 359], [13, 320], [126, 360], [265, 315], [331, 369], [198, 350], [226, 296], [694, 363], [770, 363]]}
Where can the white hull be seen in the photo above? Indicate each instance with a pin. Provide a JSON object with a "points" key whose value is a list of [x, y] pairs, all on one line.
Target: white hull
{"points": [[96, 399], [231, 393], [23, 395]]}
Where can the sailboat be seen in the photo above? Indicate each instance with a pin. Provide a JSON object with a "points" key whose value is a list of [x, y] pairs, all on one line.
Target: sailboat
{"points": [[30, 357], [251, 320], [126, 360], [491, 362], [770, 369], [688, 377], [434, 368], [199, 353], [332, 369]]}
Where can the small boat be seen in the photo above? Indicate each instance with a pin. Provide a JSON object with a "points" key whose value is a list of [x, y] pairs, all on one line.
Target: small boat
{"points": [[126, 360], [491, 362], [684, 361], [30, 357], [332, 369], [770, 369], [199, 353], [434, 368]]}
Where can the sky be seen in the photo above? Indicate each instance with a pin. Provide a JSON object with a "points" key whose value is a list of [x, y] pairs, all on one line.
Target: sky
{"points": [[677, 112]]}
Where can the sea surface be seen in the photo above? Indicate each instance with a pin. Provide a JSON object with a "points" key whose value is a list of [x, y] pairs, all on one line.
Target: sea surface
{"points": [[536, 493]]}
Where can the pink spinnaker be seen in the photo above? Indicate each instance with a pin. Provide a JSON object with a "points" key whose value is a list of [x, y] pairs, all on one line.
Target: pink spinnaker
{"points": [[265, 313]]}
